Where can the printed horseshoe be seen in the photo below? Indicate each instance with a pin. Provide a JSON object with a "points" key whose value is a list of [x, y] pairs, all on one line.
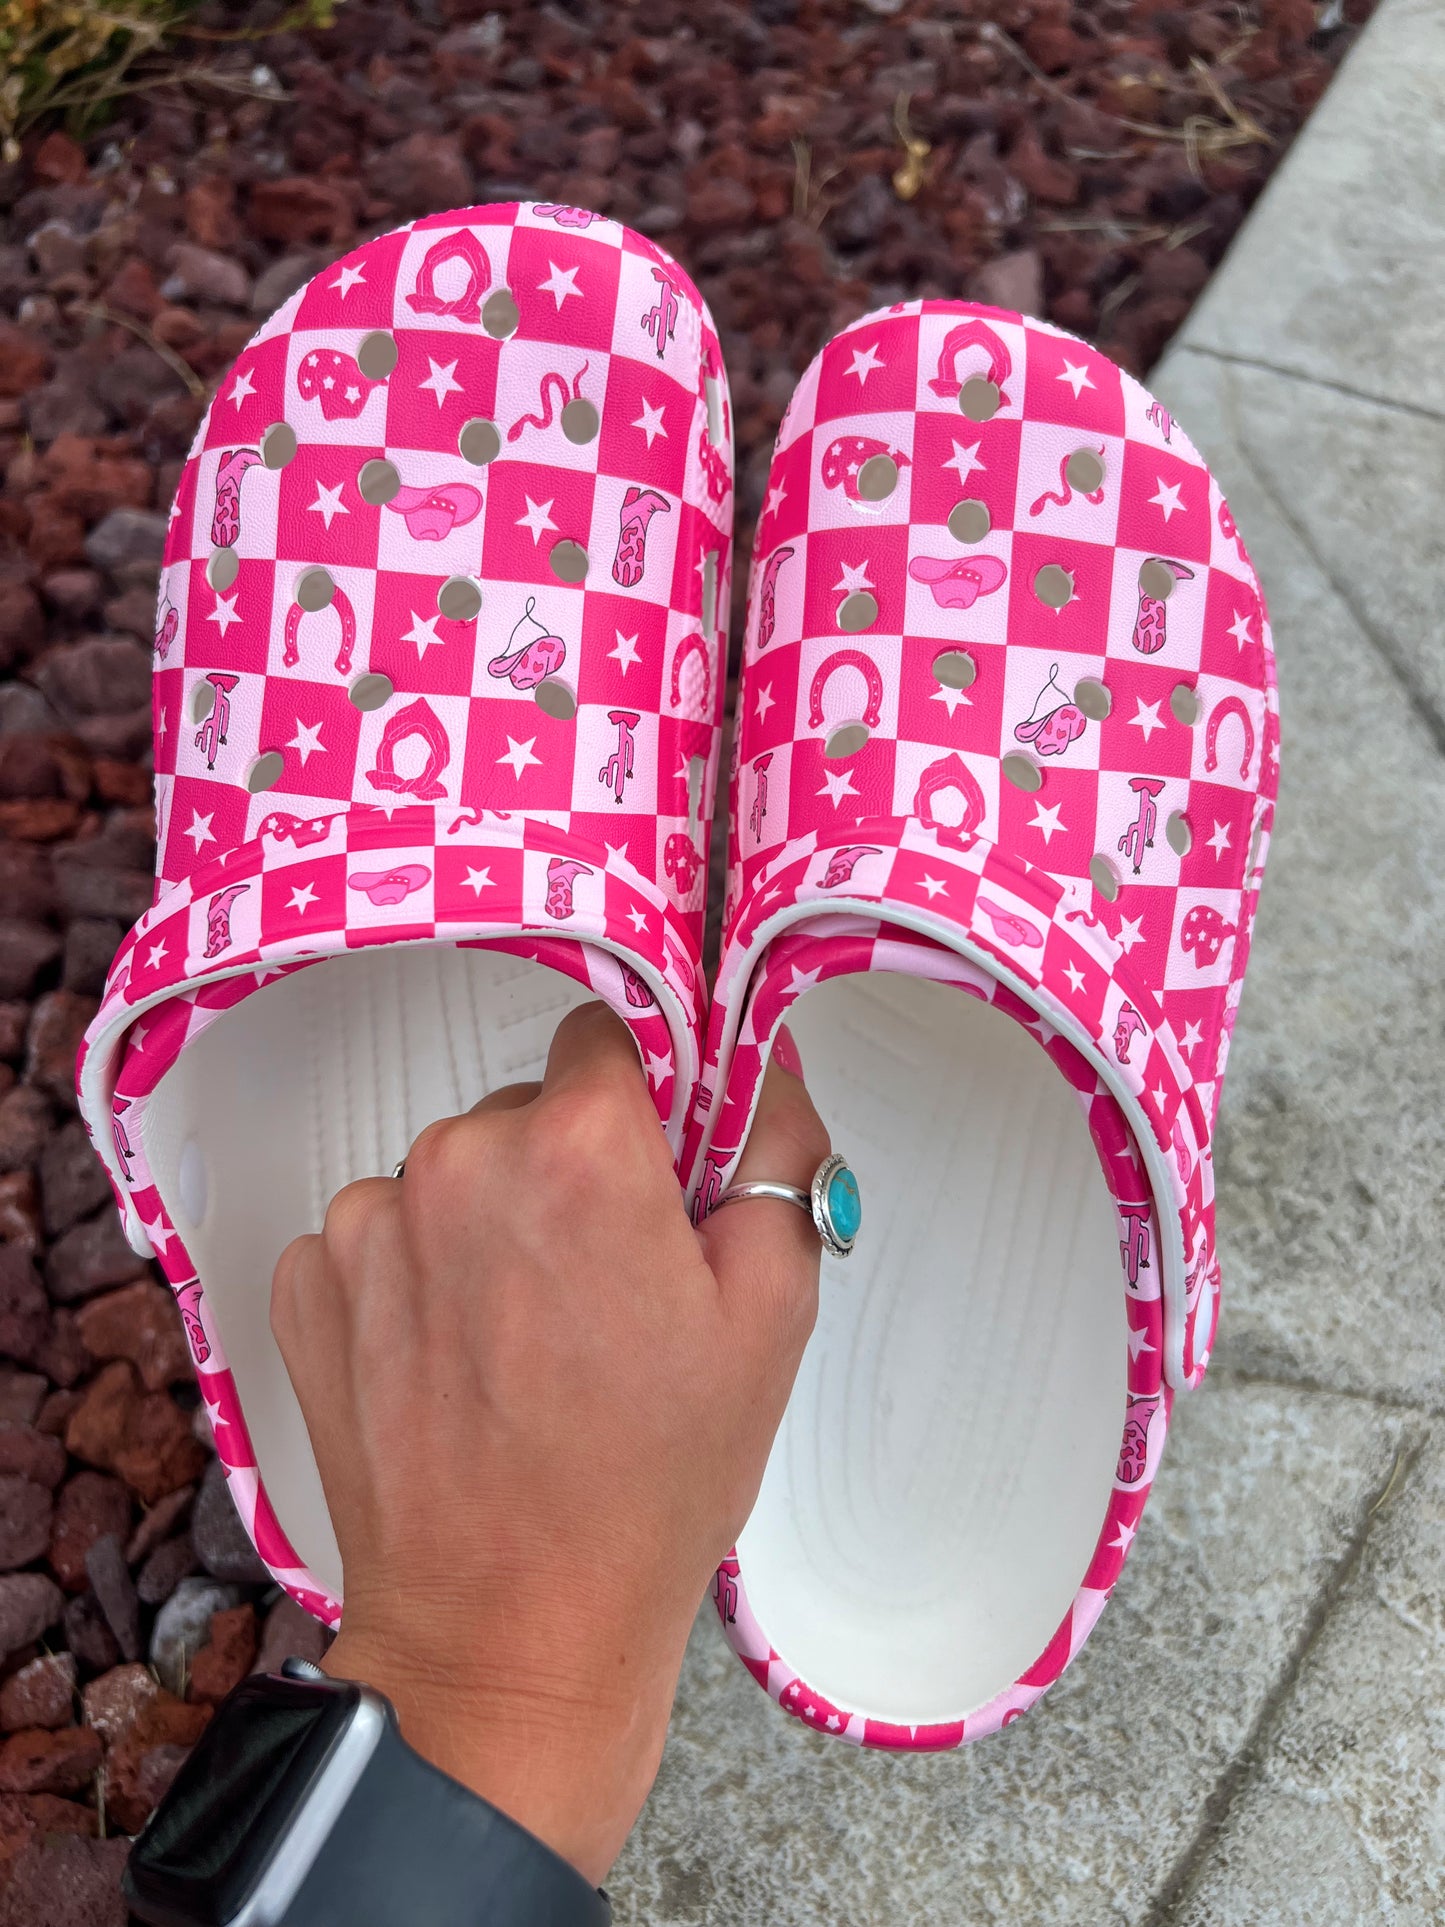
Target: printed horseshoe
{"points": [[971, 334], [1220, 714], [949, 773], [846, 659], [462, 246], [692, 645], [341, 603]]}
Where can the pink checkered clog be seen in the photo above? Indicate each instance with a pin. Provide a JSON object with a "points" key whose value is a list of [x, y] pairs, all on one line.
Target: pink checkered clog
{"points": [[438, 691], [1007, 727]]}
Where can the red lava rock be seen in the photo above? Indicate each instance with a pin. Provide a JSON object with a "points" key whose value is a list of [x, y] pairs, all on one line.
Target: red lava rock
{"points": [[205, 275], [102, 676], [299, 209], [1012, 281], [40, 1694], [54, 1413], [227, 1659], [14, 1022], [91, 1257], [25, 1122], [29, 1603], [290, 1631], [87, 1634], [140, 1323], [26, 949], [211, 212], [1047, 179], [158, 1521], [115, 1593], [60, 1354], [142, 1436], [29, 1454], [123, 783], [72, 1178], [21, 1395], [90, 1506], [132, 289], [26, 1817], [22, 622], [24, 1312], [170, 1563], [67, 1882], [59, 159], [56, 1028], [93, 476], [24, 361], [420, 173], [20, 1211], [145, 1752], [115, 1701], [38, 1761], [222, 1543], [26, 1509]]}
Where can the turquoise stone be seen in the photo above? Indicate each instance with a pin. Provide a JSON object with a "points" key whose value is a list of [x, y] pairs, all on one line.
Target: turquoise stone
{"points": [[845, 1207]]}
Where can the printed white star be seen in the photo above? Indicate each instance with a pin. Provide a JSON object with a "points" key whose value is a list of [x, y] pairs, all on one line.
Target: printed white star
{"points": [[951, 698], [1075, 976], [1138, 1341], [865, 360], [657, 1067], [1219, 842], [1239, 628], [853, 578], [637, 918], [306, 741], [224, 613], [156, 955], [1147, 720], [1131, 931], [137, 1039], [935, 886], [1126, 1533], [347, 280], [1158, 1097], [833, 1722], [302, 898], [519, 755], [650, 422], [777, 495], [163, 727], [1076, 377], [442, 380], [243, 387], [328, 504], [626, 653], [965, 460], [538, 518], [1192, 1037], [1046, 822], [159, 1233], [478, 880], [837, 783], [803, 980], [1167, 500], [766, 700], [559, 284], [423, 632], [200, 831]]}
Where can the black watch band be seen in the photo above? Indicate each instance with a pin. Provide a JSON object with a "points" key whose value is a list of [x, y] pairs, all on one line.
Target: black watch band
{"points": [[414, 1848], [303, 1806]]}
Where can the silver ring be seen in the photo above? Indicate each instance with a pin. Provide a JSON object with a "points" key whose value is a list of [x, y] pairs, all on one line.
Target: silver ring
{"points": [[831, 1201]]}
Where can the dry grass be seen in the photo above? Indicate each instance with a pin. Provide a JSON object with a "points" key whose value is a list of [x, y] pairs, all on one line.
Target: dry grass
{"points": [[67, 60]]}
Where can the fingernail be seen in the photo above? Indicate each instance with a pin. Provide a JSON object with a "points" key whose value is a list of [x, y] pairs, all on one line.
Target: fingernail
{"points": [[785, 1052]]}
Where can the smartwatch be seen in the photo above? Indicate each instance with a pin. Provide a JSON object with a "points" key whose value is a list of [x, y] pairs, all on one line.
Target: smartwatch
{"points": [[302, 1806]]}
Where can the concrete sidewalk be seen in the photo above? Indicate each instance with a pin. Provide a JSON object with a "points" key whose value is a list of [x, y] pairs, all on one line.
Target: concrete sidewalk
{"points": [[1256, 1733]]}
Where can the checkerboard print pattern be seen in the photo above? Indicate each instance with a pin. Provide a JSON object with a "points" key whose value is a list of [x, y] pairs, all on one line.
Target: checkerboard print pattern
{"points": [[1007, 718]]}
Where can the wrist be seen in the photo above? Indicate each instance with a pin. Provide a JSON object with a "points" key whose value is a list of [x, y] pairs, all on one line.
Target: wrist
{"points": [[571, 1762]]}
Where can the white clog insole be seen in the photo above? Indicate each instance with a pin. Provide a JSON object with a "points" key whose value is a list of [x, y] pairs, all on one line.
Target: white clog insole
{"points": [[935, 1493], [320, 1078]]}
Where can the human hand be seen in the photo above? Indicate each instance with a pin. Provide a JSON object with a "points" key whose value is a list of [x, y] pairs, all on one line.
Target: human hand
{"points": [[541, 1404]]}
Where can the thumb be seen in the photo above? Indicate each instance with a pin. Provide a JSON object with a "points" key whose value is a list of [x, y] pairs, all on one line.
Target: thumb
{"points": [[765, 1252]]}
